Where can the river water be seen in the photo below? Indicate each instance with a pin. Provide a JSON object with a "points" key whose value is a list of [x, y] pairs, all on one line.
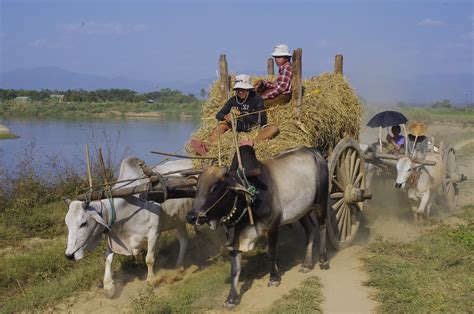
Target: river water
{"points": [[67, 138]]}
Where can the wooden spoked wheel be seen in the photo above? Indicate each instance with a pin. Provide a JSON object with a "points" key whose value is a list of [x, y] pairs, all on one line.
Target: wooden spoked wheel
{"points": [[346, 193], [451, 178]]}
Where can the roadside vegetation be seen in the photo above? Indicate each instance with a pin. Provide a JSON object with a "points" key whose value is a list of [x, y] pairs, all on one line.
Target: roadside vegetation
{"points": [[113, 102], [434, 273]]}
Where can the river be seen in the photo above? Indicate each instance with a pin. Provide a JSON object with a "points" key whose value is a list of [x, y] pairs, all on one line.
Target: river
{"points": [[67, 138]]}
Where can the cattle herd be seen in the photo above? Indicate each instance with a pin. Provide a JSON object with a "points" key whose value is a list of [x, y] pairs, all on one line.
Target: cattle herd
{"points": [[248, 202]]}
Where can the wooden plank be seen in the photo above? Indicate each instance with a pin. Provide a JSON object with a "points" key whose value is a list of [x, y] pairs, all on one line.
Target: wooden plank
{"points": [[270, 67], [171, 184], [297, 81], [224, 77], [338, 65]]}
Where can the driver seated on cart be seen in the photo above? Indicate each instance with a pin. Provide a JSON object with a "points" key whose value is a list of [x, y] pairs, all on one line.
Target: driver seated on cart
{"points": [[244, 102], [396, 141]]}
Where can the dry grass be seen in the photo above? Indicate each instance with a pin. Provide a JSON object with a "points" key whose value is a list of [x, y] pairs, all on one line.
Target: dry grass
{"points": [[331, 111], [431, 274]]}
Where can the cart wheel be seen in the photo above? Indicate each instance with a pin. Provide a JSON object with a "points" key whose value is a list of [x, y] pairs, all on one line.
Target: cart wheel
{"points": [[451, 178], [346, 193]]}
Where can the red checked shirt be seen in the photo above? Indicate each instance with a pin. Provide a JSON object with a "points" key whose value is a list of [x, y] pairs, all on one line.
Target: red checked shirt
{"points": [[282, 84]]}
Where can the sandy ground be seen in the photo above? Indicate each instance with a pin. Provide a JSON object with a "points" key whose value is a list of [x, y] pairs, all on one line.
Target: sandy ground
{"points": [[342, 283]]}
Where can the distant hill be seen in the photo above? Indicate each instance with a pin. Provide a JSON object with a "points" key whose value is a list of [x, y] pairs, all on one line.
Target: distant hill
{"points": [[375, 89], [60, 79]]}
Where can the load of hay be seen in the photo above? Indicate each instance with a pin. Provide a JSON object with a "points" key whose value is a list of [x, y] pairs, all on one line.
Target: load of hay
{"points": [[330, 111]]}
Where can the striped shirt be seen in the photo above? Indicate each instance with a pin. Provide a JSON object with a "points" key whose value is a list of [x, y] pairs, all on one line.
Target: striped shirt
{"points": [[282, 84]]}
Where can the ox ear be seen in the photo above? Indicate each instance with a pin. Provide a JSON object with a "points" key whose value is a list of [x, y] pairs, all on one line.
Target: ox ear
{"points": [[95, 215], [85, 205], [204, 166], [67, 201], [224, 170]]}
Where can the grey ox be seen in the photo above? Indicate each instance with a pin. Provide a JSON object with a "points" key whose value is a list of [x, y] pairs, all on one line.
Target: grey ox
{"points": [[422, 182], [286, 188], [137, 222]]}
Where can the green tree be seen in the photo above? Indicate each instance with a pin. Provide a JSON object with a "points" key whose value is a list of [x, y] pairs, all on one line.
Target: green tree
{"points": [[442, 104]]}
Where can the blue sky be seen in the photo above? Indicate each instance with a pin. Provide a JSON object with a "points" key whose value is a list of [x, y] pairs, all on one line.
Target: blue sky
{"points": [[182, 40]]}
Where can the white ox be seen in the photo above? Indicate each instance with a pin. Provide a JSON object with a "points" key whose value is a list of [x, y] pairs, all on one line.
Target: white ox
{"points": [[137, 222], [421, 181]]}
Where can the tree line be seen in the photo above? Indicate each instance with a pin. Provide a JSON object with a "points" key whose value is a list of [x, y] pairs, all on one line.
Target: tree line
{"points": [[164, 95]]}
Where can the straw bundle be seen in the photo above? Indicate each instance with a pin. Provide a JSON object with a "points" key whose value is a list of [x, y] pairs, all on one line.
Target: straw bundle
{"points": [[330, 111]]}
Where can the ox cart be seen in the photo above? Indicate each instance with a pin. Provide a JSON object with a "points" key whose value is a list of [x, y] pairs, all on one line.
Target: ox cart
{"points": [[383, 164], [347, 172], [347, 190]]}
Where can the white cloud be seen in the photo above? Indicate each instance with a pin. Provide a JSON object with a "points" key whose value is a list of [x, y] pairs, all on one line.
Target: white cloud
{"points": [[469, 36], [431, 23], [39, 43], [43, 43], [103, 28]]}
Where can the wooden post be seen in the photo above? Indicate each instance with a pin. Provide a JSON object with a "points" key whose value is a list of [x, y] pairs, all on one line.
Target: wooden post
{"points": [[297, 82], [338, 65], [224, 76], [89, 175], [270, 67], [218, 144], [102, 168]]}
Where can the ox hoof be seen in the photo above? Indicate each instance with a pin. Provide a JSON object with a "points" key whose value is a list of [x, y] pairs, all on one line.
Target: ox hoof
{"points": [[305, 269], [324, 265], [230, 304], [109, 292], [273, 283]]}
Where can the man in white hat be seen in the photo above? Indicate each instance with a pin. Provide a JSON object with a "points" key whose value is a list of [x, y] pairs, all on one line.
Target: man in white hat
{"points": [[243, 102], [278, 92]]}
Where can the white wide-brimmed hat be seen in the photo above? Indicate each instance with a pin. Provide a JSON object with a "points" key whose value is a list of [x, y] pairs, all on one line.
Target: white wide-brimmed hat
{"points": [[281, 51], [242, 81]]}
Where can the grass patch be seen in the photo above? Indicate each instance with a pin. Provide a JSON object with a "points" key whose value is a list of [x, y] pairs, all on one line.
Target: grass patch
{"points": [[306, 298], [45, 221], [4, 136], [42, 276], [431, 274]]}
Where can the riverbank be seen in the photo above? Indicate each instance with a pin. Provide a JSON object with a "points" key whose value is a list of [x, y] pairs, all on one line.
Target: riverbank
{"points": [[5, 133], [100, 109]]}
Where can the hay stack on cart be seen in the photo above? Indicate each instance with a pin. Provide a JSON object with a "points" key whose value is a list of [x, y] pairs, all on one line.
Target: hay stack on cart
{"points": [[329, 111]]}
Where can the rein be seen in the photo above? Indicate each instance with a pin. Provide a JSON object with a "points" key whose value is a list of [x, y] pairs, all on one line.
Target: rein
{"points": [[231, 219]]}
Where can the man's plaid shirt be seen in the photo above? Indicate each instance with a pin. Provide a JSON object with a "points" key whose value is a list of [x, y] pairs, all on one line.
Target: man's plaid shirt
{"points": [[282, 84]]}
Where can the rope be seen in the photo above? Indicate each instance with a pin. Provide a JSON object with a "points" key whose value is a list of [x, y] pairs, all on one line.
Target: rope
{"points": [[250, 188], [108, 193]]}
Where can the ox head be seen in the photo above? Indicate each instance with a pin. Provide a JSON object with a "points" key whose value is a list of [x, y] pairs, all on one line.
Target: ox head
{"points": [[85, 226], [215, 195], [405, 168]]}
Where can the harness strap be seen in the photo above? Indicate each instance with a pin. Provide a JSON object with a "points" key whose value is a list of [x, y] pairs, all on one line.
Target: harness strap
{"points": [[251, 189]]}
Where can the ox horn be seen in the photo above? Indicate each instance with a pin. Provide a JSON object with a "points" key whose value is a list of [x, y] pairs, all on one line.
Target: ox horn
{"points": [[240, 189], [84, 205]]}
